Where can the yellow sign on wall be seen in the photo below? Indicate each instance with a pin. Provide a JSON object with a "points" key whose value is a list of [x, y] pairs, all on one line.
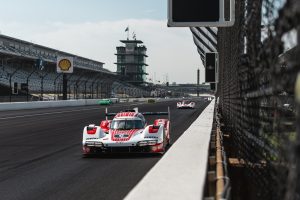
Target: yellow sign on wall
{"points": [[64, 65]]}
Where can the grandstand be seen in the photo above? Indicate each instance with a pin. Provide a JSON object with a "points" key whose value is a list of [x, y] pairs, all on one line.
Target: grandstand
{"points": [[21, 78]]}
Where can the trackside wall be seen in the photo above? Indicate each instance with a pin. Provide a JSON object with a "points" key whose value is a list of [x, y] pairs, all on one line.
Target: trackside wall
{"points": [[64, 103], [181, 172]]}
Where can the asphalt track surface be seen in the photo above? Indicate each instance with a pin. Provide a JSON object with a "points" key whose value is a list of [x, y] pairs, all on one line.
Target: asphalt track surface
{"points": [[40, 153]]}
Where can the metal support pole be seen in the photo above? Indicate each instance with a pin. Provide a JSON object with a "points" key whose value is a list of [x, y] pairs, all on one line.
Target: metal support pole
{"points": [[42, 86], [75, 91], [198, 81], [27, 83], [55, 89], [100, 90], [68, 89], [10, 77], [92, 91], [92, 86], [107, 90], [85, 89], [76, 85], [10, 88], [65, 87], [295, 173], [97, 90]]}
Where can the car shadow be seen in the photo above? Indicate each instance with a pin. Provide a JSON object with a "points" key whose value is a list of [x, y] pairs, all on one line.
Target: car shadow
{"points": [[123, 156], [126, 155]]}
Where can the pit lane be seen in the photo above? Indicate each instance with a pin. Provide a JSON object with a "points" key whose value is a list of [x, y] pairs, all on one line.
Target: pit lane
{"points": [[40, 156]]}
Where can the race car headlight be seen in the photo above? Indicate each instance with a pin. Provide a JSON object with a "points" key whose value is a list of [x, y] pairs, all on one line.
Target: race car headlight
{"points": [[142, 143], [98, 144], [146, 143], [152, 142], [93, 144]]}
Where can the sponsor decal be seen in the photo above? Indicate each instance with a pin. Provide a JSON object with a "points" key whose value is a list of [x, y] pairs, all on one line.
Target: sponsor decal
{"points": [[153, 137], [64, 65], [126, 114], [121, 135]]}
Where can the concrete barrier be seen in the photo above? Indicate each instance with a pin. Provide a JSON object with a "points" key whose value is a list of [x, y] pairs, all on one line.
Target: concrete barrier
{"points": [[46, 104], [181, 172], [65, 103]]}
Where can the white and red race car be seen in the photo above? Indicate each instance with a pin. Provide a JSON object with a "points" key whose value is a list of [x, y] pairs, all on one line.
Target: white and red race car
{"points": [[127, 132], [186, 104]]}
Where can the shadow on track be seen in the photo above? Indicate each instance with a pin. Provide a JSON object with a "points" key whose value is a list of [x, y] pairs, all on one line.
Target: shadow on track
{"points": [[126, 155], [123, 156]]}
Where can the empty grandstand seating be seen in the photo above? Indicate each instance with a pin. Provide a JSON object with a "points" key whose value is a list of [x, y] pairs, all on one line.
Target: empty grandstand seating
{"points": [[78, 86], [89, 80]]}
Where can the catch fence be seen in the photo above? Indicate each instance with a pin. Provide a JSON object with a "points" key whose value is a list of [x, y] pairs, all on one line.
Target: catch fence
{"points": [[259, 95]]}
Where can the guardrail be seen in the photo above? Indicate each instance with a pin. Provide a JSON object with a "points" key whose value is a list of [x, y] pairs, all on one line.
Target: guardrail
{"points": [[218, 179], [46, 104], [222, 180], [259, 65]]}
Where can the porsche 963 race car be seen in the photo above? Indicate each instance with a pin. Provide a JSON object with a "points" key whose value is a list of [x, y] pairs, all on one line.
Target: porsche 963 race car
{"points": [[186, 104], [127, 132]]}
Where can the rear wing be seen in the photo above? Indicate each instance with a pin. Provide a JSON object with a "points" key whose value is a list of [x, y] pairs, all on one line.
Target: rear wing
{"points": [[155, 113], [159, 113], [107, 114]]}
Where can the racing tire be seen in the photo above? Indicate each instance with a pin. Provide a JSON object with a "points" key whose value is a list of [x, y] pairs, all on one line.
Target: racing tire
{"points": [[169, 142]]}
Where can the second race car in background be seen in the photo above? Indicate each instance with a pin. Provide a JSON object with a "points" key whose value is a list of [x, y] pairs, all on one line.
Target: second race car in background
{"points": [[186, 104], [104, 102]]}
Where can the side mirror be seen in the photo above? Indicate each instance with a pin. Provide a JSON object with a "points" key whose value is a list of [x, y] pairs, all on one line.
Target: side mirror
{"points": [[104, 125]]}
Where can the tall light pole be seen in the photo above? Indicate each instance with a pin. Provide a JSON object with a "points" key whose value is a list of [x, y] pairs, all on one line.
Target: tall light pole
{"points": [[10, 80], [65, 86], [198, 81], [55, 89], [27, 83]]}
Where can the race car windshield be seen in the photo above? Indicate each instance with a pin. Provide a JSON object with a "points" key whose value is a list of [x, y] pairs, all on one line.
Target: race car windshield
{"points": [[126, 124]]}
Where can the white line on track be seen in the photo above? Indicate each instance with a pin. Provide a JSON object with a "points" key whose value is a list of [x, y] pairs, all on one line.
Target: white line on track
{"points": [[61, 112]]}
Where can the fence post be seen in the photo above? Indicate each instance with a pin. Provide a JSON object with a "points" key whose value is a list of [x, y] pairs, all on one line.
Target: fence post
{"points": [[297, 94], [65, 87]]}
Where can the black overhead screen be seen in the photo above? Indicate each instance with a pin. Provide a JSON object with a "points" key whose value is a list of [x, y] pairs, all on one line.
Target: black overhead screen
{"points": [[195, 10]]}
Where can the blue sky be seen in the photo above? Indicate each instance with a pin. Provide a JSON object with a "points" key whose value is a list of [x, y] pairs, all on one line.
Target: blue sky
{"points": [[39, 11], [93, 28]]}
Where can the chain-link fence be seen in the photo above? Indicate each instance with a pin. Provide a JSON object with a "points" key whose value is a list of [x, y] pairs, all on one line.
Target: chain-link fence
{"points": [[258, 69]]}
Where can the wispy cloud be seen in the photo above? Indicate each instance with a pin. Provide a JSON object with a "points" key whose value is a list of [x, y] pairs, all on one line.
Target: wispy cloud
{"points": [[171, 50]]}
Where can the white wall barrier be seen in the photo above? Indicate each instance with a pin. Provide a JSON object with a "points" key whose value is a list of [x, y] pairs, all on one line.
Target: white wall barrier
{"points": [[67, 103], [181, 172], [63, 103], [46, 104]]}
